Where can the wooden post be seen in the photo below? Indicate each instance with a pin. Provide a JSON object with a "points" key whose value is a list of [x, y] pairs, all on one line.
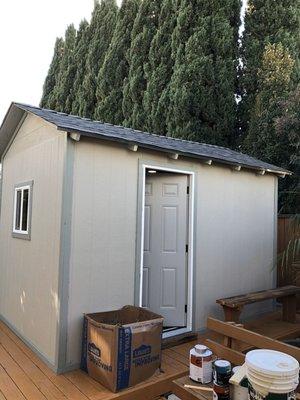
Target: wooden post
{"points": [[232, 314], [289, 308]]}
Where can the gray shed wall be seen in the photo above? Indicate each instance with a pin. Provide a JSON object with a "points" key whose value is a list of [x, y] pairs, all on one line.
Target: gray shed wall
{"points": [[235, 243], [29, 299]]}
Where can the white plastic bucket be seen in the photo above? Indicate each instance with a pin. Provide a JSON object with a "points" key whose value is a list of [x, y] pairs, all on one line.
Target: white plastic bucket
{"points": [[270, 373]]}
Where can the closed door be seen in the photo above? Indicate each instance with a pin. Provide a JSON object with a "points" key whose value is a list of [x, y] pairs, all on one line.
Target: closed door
{"points": [[165, 250]]}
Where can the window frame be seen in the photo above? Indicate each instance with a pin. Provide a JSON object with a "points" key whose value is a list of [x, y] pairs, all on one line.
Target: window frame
{"points": [[21, 233]]}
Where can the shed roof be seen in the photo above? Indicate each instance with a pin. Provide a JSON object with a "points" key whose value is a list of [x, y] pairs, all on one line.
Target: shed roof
{"points": [[106, 131]]}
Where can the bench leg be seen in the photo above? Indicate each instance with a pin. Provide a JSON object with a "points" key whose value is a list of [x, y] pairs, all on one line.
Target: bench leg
{"points": [[232, 314], [289, 308]]}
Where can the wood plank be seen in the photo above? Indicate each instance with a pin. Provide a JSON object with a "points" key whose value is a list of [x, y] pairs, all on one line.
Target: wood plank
{"points": [[25, 385], [235, 357], [185, 393], [50, 391], [252, 338], [237, 301], [60, 381], [8, 387], [91, 388]]}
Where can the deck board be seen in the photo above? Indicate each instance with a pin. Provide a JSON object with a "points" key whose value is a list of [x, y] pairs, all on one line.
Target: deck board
{"points": [[24, 376]]}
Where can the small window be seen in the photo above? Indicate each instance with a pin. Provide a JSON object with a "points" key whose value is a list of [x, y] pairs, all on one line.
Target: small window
{"points": [[22, 211]]}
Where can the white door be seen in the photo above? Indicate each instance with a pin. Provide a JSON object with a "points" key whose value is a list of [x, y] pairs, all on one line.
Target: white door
{"points": [[165, 247]]}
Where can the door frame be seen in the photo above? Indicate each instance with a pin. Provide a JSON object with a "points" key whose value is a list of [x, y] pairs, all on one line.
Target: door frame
{"points": [[143, 165]]}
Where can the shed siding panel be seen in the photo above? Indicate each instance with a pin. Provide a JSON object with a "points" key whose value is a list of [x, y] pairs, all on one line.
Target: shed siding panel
{"points": [[29, 268], [234, 233]]}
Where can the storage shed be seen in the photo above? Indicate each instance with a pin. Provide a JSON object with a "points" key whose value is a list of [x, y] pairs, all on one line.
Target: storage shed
{"points": [[96, 216]]}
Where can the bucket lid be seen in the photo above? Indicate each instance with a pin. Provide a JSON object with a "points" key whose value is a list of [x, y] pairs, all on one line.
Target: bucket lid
{"points": [[271, 362]]}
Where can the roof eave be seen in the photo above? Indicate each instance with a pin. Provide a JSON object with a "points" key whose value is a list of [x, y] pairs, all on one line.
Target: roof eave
{"points": [[280, 173]]}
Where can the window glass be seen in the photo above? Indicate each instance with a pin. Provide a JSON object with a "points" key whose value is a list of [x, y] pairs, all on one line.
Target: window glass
{"points": [[25, 205], [18, 209]]}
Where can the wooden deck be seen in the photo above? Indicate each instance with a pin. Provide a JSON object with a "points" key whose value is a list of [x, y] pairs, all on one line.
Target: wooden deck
{"points": [[23, 376]]}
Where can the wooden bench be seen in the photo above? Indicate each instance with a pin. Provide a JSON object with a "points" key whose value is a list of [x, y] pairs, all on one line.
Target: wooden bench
{"points": [[234, 334], [233, 306]]}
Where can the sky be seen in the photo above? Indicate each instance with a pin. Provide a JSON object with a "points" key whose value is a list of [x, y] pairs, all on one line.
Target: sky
{"points": [[28, 29]]}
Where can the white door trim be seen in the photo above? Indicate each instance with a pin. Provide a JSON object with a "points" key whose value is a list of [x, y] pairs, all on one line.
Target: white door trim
{"points": [[140, 243]]}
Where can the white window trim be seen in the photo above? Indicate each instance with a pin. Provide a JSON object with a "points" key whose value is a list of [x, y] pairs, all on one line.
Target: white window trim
{"points": [[20, 233]]}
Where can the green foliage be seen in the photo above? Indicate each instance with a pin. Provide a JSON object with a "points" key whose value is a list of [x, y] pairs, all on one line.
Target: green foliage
{"points": [[159, 70], [287, 132], [270, 74], [203, 84], [101, 31], [144, 29], [52, 75], [76, 70], [64, 81], [115, 68], [266, 22]]}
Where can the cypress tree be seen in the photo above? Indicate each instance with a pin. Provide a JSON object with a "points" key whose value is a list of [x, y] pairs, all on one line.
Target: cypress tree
{"points": [[76, 70], [203, 84], [266, 21], [115, 67], [270, 75], [144, 29], [159, 70], [287, 129], [102, 28], [64, 82], [52, 75]]}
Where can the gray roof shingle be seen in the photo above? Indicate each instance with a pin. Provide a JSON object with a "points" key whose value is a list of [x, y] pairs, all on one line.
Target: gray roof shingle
{"points": [[98, 129]]}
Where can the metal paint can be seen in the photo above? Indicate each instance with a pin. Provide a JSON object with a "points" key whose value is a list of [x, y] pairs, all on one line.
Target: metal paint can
{"points": [[221, 392], [222, 372], [201, 364]]}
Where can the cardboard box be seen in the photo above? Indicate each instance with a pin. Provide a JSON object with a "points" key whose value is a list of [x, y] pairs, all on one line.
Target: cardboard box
{"points": [[122, 348]]}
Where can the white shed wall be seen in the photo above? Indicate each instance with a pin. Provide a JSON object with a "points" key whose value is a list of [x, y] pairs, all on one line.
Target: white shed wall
{"points": [[234, 232], [29, 268]]}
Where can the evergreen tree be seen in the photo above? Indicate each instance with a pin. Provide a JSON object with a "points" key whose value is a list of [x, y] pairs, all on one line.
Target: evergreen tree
{"points": [[144, 29], [266, 21], [115, 67], [268, 137], [76, 70], [101, 28], [64, 81], [52, 75], [287, 128], [159, 70], [203, 84]]}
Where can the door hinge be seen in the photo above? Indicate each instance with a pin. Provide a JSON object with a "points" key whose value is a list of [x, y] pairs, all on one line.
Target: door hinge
{"points": [[185, 308], [186, 248], [187, 190]]}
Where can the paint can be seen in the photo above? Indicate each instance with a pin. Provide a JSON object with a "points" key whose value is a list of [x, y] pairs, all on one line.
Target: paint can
{"points": [[201, 364], [221, 392], [238, 392], [271, 375], [222, 372]]}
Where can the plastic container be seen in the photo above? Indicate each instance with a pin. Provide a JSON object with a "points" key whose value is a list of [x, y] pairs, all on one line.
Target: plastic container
{"points": [[201, 364], [271, 373], [238, 392]]}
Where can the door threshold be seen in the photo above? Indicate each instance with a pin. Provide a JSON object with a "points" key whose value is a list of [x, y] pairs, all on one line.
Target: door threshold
{"points": [[175, 332], [179, 339]]}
